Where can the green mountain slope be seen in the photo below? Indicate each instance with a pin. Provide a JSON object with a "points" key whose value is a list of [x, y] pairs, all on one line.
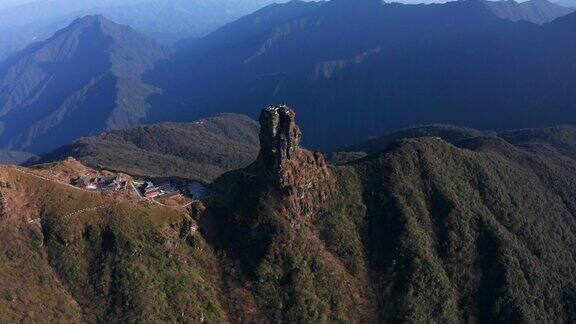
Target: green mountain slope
{"points": [[561, 138], [457, 235], [201, 150], [125, 261], [446, 132]]}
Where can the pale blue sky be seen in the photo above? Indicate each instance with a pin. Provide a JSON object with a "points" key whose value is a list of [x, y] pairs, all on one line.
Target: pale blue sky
{"points": [[9, 3]]}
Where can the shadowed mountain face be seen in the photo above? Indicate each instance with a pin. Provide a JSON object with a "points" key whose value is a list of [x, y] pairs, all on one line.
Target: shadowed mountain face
{"points": [[370, 67], [367, 67], [83, 80]]}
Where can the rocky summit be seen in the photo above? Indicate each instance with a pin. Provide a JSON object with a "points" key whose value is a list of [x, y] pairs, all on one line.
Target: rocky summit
{"points": [[300, 175]]}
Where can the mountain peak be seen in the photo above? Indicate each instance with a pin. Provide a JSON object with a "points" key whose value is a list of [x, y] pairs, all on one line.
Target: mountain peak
{"points": [[302, 177], [104, 26], [89, 20], [279, 135], [93, 18]]}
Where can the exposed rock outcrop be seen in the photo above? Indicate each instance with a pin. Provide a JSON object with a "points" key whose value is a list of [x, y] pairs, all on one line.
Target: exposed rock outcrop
{"points": [[301, 176], [279, 136]]}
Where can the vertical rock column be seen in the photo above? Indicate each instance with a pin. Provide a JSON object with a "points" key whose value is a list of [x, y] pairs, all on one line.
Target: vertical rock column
{"points": [[302, 177]]}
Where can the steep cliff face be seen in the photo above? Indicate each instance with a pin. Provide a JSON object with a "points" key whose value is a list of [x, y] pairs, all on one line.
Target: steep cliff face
{"points": [[301, 177]]}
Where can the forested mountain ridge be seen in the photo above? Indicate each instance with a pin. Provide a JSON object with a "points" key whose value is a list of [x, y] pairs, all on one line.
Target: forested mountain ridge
{"points": [[438, 231], [200, 150], [559, 138]]}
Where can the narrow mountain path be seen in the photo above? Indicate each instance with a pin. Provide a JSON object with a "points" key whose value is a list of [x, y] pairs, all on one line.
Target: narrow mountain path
{"points": [[50, 180], [87, 190], [85, 210]]}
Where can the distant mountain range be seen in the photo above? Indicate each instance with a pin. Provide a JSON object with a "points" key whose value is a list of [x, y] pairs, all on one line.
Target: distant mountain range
{"points": [[83, 80], [536, 11], [166, 21], [367, 67], [370, 67], [567, 3]]}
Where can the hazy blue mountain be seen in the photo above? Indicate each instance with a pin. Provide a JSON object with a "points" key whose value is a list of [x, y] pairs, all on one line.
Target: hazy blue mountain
{"points": [[85, 79], [16, 38], [14, 157], [12, 3], [567, 3], [355, 70], [170, 21], [367, 68], [535, 11], [166, 21]]}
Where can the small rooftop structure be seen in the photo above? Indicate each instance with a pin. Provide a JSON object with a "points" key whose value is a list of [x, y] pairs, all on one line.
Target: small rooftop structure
{"points": [[103, 183], [276, 107], [150, 190]]}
